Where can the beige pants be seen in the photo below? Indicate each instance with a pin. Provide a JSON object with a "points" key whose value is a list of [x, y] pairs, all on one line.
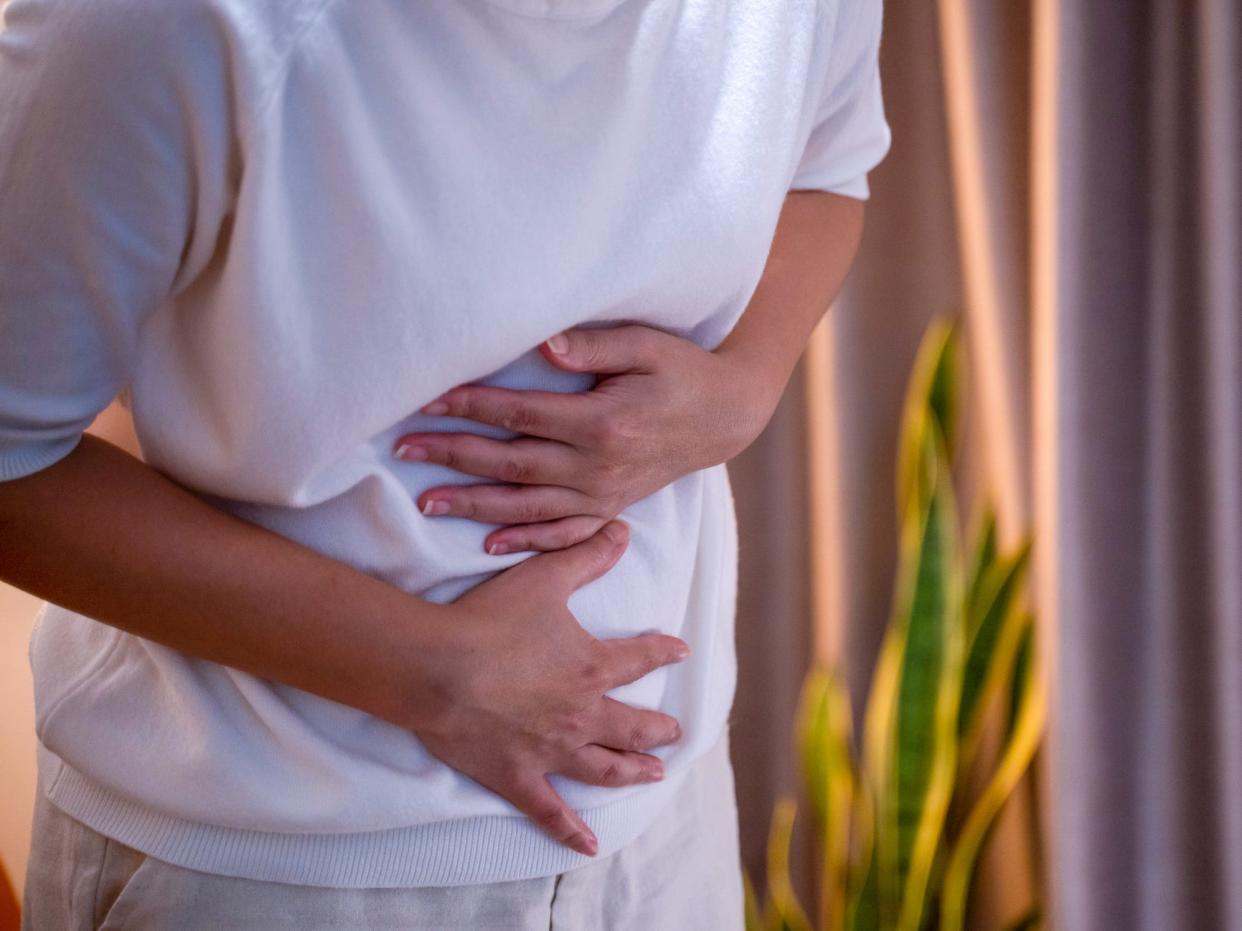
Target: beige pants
{"points": [[683, 873]]}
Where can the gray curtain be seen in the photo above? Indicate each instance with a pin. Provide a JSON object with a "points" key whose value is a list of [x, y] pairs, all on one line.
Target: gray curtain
{"points": [[1148, 317], [1066, 172]]}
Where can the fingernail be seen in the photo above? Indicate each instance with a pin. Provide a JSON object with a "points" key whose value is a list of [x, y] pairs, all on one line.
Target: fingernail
{"points": [[681, 651], [675, 734], [613, 532], [558, 344], [585, 843], [436, 507], [410, 451], [497, 549], [435, 407], [655, 772]]}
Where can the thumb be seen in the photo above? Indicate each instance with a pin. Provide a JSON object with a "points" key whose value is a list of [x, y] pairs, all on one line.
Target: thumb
{"points": [[571, 568], [609, 350]]}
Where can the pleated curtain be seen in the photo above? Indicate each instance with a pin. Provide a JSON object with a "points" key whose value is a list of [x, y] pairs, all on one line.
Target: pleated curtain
{"points": [[1066, 175]]}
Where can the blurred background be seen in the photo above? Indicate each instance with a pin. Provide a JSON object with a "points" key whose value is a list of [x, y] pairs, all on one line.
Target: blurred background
{"points": [[1065, 178]]}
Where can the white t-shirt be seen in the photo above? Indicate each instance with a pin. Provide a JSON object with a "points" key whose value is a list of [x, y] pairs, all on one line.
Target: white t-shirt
{"points": [[287, 225]]}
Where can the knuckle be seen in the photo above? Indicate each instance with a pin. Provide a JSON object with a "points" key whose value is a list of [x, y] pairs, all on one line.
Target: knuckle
{"points": [[521, 419], [608, 431], [526, 511], [574, 728], [580, 725], [560, 538], [465, 404], [637, 737], [611, 469], [591, 484], [589, 350], [660, 653], [610, 775], [644, 339], [594, 674], [512, 469], [548, 815]]}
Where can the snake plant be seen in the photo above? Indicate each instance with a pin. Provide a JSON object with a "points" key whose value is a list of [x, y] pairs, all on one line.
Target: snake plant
{"points": [[899, 829]]}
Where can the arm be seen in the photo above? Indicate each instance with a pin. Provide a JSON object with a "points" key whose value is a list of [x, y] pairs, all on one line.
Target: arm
{"points": [[102, 533], [816, 239], [117, 179], [664, 407]]}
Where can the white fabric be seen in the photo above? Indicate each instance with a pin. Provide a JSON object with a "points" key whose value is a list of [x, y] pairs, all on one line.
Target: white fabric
{"points": [[286, 226], [683, 872]]}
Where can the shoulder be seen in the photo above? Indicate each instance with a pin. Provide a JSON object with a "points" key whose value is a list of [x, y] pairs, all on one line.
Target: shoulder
{"points": [[191, 44], [852, 22]]}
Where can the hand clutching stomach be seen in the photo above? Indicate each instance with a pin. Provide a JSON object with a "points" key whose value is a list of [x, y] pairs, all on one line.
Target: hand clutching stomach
{"points": [[519, 689], [662, 407]]}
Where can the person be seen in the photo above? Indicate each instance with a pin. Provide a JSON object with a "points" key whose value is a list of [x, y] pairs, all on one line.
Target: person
{"points": [[437, 323]]}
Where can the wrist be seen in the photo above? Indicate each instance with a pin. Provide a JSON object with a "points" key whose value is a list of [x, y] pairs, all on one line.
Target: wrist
{"points": [[414, 657], [754, 381]]}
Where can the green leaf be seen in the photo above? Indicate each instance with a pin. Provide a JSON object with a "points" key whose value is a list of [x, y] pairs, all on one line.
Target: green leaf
{"points": [[785, 911], [864, 910], [931, 671], [862, 906], [880, 893], [993, 637], [1017, 679], [753, 914], [930, 401], [943, 394], [824, 738], [983, 555], [810, 735], [815, 743], [919, 732], [877, 890], [1014, 761]]}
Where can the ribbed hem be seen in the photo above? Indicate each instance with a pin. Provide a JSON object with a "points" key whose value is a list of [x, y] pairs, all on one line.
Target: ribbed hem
{"points": [[20, 461], [495, 848]]}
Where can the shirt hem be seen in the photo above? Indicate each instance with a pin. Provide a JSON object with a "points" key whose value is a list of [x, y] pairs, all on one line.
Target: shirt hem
{"points": [[25, 460], [493, 848]]}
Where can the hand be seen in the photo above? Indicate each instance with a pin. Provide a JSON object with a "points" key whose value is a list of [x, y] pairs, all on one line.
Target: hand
{"points": [[664, 407], [524, 691]]}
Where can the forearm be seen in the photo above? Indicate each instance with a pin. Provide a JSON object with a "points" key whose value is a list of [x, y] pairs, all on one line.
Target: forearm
{"points": [[816, 239], [102, 533]]}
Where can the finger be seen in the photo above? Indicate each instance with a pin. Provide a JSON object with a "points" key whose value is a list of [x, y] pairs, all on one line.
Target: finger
{"points": [[610, 350], [536, 799], [555, 415], [544, 537], [600, 766], [569, 569], [505, 504], [631, 658], [624, 727], [524, 460]]}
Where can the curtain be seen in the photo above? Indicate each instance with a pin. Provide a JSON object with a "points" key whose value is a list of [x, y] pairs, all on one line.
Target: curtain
{"points": [[1143, 246], [1066, 173]]}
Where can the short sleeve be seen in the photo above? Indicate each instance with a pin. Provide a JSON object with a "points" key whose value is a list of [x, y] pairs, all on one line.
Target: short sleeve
{"points": [[850, 135], [113, 168]]}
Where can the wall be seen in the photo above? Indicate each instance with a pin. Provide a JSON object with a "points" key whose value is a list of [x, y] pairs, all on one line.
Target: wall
{"points": [[17, 772]]}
